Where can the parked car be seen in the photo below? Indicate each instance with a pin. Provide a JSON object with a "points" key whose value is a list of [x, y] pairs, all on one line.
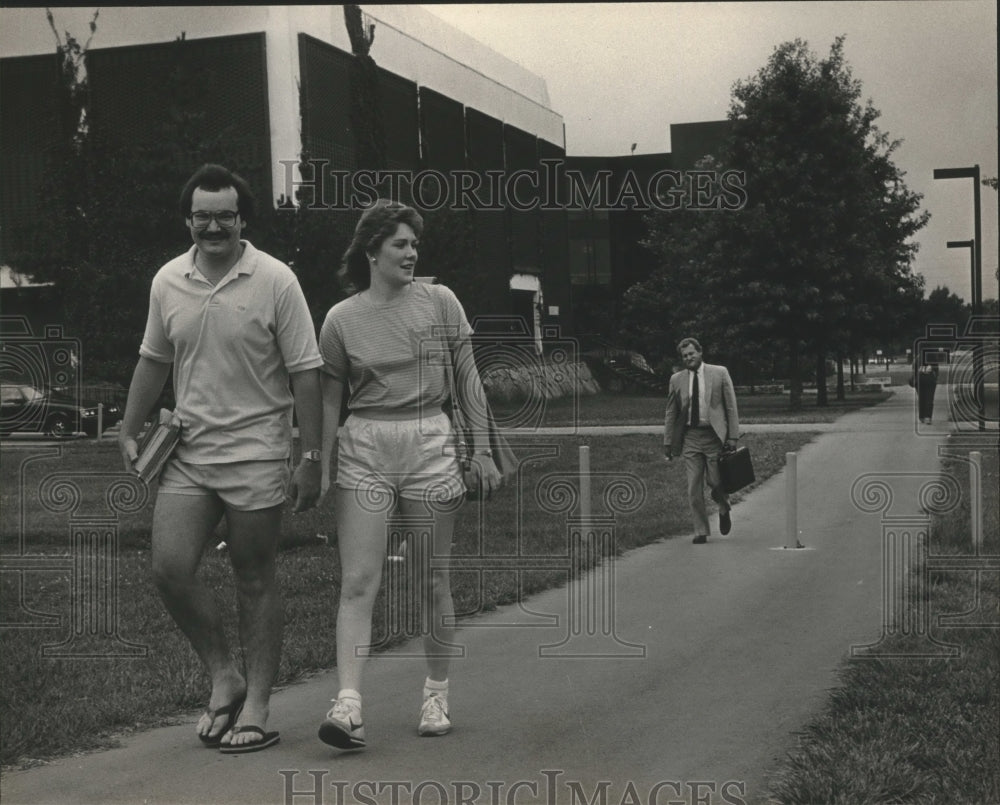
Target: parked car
{"points": [[24, 407]]}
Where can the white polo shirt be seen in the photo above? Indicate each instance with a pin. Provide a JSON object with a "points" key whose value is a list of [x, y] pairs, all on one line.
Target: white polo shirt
{"points": [[233, 347]]}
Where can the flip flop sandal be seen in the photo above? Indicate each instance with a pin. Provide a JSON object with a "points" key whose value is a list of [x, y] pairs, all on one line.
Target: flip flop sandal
{"points": [[232, 710], [266, 739]]}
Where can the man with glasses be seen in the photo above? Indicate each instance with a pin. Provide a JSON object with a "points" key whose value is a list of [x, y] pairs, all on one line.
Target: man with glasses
{"points": [[232, 323], [701, 417]]}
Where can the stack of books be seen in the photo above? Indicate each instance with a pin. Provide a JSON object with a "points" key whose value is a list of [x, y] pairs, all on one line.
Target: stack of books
{"points": [[156, 445]]}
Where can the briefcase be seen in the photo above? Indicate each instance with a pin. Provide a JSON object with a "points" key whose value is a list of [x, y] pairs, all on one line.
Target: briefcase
{"points": [[736, 469]]}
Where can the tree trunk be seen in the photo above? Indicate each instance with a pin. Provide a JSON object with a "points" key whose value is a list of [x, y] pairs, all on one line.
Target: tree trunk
{"points": [[366, 109], [794, 379], [840, 378], [821, 396]]}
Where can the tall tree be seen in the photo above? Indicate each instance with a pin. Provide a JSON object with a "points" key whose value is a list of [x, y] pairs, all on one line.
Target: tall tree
{"points": [[944, 307], [825, 227]]}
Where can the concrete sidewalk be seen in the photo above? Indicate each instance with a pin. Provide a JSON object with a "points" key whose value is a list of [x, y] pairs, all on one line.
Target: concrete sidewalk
{"points": [[686, 685]]}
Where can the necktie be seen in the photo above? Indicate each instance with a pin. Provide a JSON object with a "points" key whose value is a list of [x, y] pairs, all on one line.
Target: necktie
{"points": [[695, 402]]}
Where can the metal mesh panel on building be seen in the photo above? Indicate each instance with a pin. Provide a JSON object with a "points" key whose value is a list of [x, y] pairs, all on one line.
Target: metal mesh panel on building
{"points": [[484, 141], [520, 154], [484, 147], [326, 103], [327, 134], [399, 113], [442, 131], [207, 94], [28, 88], [29, 127]]}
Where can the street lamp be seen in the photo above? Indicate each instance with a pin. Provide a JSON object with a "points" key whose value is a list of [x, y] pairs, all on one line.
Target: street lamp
{"points": [[971, 173], [971, 246], [977, 275]]}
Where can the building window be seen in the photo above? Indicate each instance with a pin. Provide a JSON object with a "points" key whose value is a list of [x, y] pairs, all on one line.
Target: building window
{"points": [[589, 261]]}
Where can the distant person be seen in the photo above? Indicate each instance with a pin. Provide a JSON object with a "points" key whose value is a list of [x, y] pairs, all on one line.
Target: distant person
{"points": [[233, 324], [701, 418], [387, 346], [924, 380]]}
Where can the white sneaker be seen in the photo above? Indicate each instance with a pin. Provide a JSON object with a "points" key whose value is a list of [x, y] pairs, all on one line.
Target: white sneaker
{"points": [[434, 716], [343, 727]]}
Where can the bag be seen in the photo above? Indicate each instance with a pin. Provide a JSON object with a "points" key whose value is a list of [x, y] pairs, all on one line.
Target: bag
{"points": [[503, 456], [736, 470]]}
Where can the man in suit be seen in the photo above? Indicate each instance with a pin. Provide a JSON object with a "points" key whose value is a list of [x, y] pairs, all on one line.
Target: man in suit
{"points": [[701, 417]]}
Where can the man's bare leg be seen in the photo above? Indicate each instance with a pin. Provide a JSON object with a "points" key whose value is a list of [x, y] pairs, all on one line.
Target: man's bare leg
{"points": [[253, 545], [182, 525]]}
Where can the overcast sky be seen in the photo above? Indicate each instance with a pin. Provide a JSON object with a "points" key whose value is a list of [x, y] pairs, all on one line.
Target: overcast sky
{"points": [[621, 73]]}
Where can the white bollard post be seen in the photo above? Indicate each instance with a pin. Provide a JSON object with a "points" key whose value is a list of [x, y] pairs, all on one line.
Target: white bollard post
{"points": [[100, 421], [585, 483], [976, 499], [791, 502]]}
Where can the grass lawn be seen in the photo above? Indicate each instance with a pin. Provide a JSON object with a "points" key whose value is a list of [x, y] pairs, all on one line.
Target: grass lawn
{"points": [[620, 409], [917, 730], [52, 707]]}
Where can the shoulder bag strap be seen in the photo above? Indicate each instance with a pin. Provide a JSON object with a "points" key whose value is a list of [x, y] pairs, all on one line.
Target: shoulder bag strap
{"points": [[457, 416]]}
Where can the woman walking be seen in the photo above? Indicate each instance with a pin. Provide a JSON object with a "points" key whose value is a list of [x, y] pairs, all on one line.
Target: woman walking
{"points": [[386, 346]]}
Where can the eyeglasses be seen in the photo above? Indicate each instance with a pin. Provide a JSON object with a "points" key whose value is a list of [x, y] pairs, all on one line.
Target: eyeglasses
{"points": [[224, 218]]}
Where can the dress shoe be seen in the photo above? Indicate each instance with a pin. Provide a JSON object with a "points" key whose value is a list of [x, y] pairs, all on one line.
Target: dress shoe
{"points": [[701, 539], [725, 522]]}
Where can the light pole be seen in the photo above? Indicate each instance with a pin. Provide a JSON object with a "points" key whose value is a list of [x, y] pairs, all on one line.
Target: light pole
{"points": [[971, 246], [977, 276]]}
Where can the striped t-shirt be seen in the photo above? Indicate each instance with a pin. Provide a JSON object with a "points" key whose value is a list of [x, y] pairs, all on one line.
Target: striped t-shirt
{"points": [[392, 356]]}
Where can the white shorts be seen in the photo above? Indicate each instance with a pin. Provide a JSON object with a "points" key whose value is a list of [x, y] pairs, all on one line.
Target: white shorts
{"points": [[412, 458], [241, 485]]}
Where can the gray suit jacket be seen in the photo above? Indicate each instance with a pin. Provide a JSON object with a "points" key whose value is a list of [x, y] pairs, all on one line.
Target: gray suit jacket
{"points": [[720, 397]]}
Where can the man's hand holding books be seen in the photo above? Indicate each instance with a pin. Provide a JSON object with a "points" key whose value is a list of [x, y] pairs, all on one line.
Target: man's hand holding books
{"points": [[147, 455]]}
